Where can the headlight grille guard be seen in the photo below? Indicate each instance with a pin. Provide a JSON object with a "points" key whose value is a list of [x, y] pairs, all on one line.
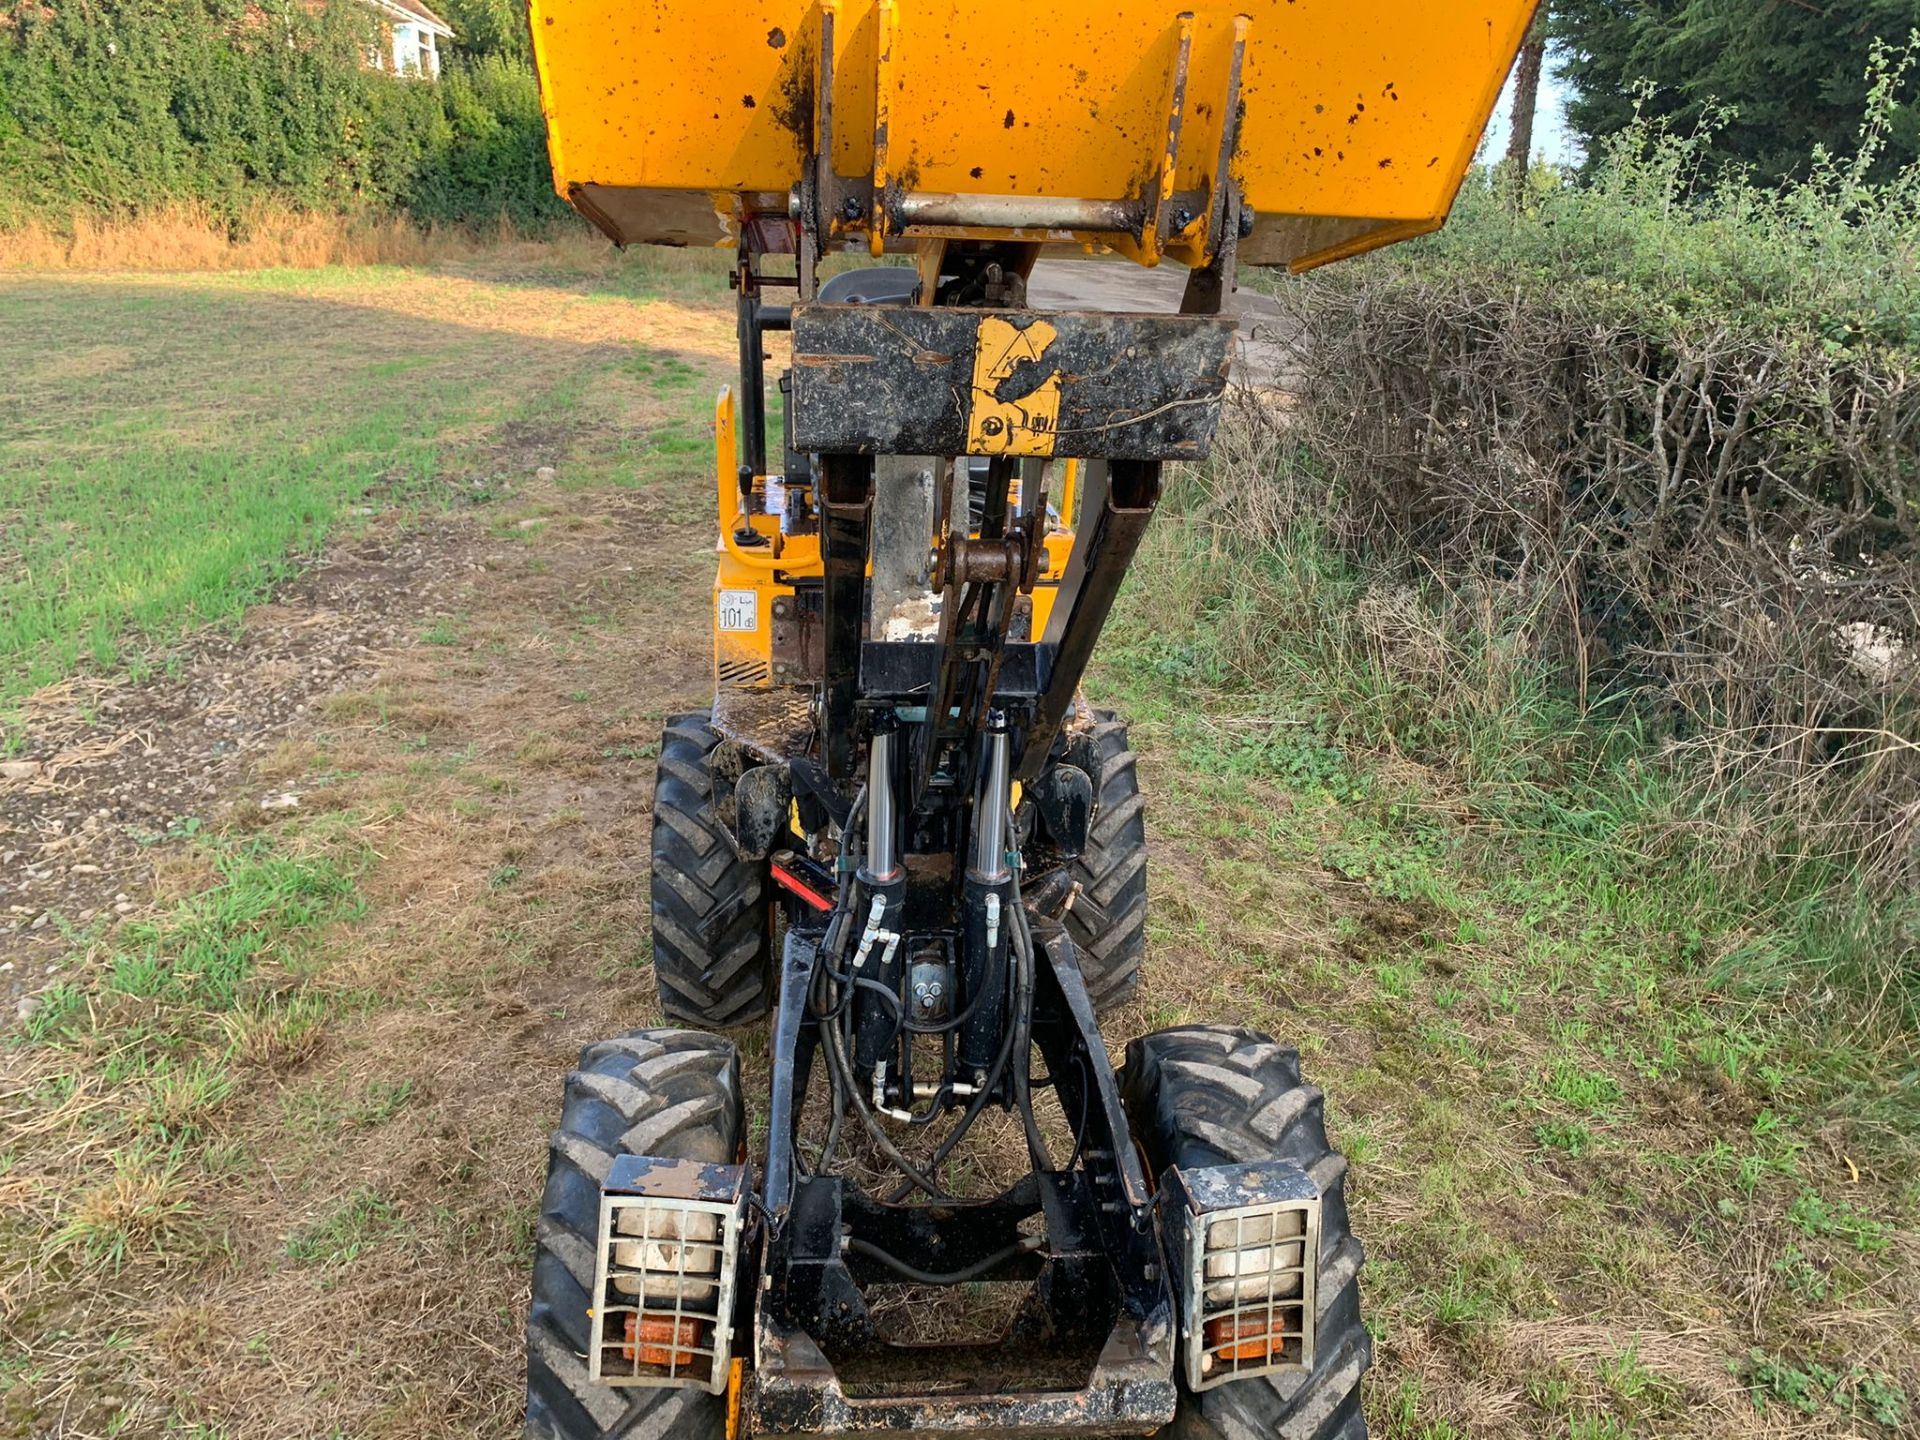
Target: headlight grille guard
{"points": [[666, 1273], [1245, 1244]]}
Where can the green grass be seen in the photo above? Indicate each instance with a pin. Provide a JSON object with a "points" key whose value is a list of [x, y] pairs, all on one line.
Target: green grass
{"points": [[151, 1039], [1574, 1026], [156, 532], [179, 446], [1591, 1078], [343, 1233]]}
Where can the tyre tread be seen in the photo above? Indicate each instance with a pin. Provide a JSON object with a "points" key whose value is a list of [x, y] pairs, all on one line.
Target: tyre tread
{"points": [[1216, 1094], [671, 1093], [712, 930], [1107, 921]]}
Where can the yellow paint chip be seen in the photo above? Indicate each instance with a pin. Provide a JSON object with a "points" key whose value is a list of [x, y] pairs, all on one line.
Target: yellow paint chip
{"points": [[1024, 426]]}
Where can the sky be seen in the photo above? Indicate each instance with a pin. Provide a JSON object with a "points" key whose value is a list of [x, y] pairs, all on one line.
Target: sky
{"points": [[1550, 137]]}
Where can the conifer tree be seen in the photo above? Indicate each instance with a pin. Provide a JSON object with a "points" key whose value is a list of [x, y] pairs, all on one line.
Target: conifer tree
{"points": [[1794, 72]]}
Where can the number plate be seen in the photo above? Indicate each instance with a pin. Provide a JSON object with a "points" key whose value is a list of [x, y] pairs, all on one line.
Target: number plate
{"points": [[739, 610]]}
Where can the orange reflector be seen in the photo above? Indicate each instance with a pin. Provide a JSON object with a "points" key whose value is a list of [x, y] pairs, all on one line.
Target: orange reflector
{"points": [[1249, 1337], [806, 892], [661, 1340]]}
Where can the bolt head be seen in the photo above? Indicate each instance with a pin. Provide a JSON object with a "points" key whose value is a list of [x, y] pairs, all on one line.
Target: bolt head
{"points": [[852, 208]]}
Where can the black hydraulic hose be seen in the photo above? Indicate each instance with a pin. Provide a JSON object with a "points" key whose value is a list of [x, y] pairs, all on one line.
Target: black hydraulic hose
{"points": [[832, 1014], [893, 1003], [903, 1021], [1025, 1245], [1022, 945], [836, 1094], [836, 1053], [979, 1103], [1086, 1112]]}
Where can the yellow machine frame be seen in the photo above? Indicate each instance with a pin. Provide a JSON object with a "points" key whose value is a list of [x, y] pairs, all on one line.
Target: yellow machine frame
{"points": [[749, 583], [900, 830], [1103, 126]]}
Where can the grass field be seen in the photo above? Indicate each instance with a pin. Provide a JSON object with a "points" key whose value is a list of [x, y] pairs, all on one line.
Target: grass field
{"points": [[1626, 1159]]}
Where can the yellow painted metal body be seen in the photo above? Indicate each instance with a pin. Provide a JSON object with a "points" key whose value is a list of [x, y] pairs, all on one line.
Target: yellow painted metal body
{"points": [[668, 120], [749, 581], [1092, 124]]}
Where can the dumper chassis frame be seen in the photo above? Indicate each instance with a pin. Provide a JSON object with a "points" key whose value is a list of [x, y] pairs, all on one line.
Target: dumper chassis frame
{"points": [[903, 618], [1092, 1351]]}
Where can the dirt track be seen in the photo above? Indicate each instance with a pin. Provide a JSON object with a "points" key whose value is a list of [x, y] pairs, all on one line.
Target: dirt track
{"points": [[461, 712], [508, 919]]}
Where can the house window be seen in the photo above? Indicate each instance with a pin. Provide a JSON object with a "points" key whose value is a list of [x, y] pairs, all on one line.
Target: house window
{"points": [[410, 47], [406, 50]]}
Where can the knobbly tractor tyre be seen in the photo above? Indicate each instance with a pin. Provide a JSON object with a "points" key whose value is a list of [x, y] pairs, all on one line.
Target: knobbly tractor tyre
{"points": [[712, 920], [1107, 921], [669, 1093], [1206, 1095]]}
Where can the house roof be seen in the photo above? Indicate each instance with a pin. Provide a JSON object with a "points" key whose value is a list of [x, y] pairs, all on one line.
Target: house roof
{"points": [[414, 11]]}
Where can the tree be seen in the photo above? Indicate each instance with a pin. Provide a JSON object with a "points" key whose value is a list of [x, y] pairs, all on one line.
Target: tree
{"points": [[1794, 72], [1526, 101], [485, 28]]}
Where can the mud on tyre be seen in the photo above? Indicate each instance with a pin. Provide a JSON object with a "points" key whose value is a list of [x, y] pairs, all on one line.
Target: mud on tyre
{"points": [[1219, 1095], [670, 1093]]}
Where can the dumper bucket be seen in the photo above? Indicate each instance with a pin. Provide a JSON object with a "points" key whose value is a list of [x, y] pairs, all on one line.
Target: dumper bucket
{"points": [[1344, 124]]}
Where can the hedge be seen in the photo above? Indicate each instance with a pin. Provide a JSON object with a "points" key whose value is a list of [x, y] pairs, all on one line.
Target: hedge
{"points": [[115, 106], [1679, 433]]}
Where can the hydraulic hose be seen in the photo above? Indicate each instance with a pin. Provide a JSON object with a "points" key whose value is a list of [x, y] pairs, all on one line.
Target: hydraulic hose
{"points": [[1025, 1245], [982, 1094], [1022, 946], [837, 1055]]}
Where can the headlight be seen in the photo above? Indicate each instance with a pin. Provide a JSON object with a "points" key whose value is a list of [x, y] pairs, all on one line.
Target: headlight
{"points": [[670, 1239], [1245, 1240]]}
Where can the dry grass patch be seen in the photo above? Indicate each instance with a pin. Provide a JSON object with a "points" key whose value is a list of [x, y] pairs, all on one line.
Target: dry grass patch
{"points": [[273, 237], [390, 1095], [1551, 1143]]}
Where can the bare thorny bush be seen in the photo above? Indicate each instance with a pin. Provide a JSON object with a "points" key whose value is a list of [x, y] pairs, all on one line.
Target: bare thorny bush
{"points": [[1674, 436], [1721, 523]]}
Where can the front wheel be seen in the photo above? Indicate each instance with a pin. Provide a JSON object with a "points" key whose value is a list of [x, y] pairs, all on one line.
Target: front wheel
{"points": [[670, 1093], [1107, 920], [1206, 1095]]}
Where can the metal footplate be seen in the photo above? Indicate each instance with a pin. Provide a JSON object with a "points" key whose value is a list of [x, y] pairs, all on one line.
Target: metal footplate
{"points": [[955, 1392], [666, 1271], [1244, 1241]]}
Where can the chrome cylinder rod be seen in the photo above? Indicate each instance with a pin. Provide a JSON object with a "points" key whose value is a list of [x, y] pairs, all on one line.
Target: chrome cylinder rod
{"points": [[883, 856], [991, 807]]}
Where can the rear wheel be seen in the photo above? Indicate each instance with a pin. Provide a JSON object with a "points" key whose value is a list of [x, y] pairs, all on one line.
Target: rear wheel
{"points": [[1107, 921], [1217, 1095], [670, 1093], [712, 924]]}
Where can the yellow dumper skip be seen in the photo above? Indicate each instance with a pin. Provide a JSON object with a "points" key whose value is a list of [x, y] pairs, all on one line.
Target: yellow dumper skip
{"points": [[1348, 125]]}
